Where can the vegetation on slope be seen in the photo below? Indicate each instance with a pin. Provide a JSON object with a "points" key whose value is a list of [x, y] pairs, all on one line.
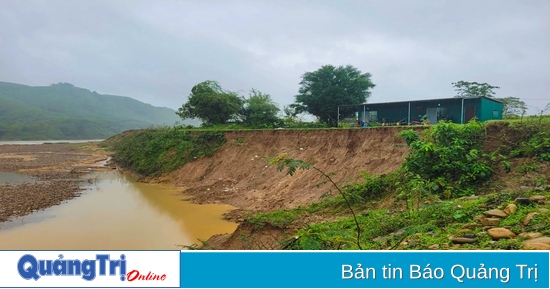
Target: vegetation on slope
{"points": [[154, 151], [62, 111], [439, 199]]}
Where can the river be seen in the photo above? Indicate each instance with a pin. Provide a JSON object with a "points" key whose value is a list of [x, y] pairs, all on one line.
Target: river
{"points": [[117, 213], [35, 142]]}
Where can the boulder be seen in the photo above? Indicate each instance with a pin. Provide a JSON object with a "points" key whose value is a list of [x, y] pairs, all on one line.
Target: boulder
{"points": [[535, 246], [495, 213], [500, 233], [511, 208]]}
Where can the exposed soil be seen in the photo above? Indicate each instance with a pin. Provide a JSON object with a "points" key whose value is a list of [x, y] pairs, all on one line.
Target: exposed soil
{"points": [[239, 173], [57, 170]]}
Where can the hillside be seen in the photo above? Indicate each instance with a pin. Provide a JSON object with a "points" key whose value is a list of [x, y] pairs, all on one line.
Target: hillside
{"points": [[63, 111], [446, 186]]}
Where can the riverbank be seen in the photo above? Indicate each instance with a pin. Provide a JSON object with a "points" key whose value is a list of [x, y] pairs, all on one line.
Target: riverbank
{"points": [[51, 174]]}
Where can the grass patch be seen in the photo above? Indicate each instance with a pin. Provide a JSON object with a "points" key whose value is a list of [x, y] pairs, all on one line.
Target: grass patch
{"points": [[151, 152]]}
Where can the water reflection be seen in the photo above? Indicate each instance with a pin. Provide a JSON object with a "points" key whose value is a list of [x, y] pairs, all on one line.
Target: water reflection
{"points": [[118, 213]]}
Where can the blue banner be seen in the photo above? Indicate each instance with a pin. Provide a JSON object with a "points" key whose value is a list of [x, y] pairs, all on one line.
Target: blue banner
{"points": [[364, 269]]}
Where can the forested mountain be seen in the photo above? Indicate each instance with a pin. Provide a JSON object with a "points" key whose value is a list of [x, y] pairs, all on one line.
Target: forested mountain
{"points": [[63, 111]]}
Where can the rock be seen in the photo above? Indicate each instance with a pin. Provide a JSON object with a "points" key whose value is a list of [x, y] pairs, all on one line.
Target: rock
{"points": [[537, 198], [490, 221], [471, 226], [488, 227], [495, 213], [528, 218], [463, 240], [500, 233], [434, 247], [412, 243], [524, 188], [511, 208], [535, 246], [479, 218], [472, 197], [532, 235], [472, 236], [464, 231], [523, 201], [543, 240], [543, 210]]}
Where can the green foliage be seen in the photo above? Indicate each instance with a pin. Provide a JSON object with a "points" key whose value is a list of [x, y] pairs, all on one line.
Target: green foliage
{"points": [[210, 103], [474, 89], [62, 111], [372, 187], [260, 110], [512, 107], [154, 151], [448, 158], [532, 141], [383, 229], [280, 219], [323, 90]]}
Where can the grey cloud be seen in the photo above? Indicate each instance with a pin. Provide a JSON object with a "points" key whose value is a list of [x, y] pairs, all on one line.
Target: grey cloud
{"points": [[157, 50]]}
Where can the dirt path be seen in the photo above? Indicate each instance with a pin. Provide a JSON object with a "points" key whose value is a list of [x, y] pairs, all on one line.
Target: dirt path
{"points": [[56, 170]]}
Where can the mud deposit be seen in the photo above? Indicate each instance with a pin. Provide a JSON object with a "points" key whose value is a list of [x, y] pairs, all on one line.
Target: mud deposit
{"points": [[56, 172]]}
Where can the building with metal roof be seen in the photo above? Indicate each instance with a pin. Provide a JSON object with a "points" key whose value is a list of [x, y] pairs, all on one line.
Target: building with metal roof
{"points": [[456, 109]]}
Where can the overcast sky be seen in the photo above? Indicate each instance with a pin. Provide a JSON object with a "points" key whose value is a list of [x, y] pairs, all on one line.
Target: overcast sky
{"points": [[156, 51]]}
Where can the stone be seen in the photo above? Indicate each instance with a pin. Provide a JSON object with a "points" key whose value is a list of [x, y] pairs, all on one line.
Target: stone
{"points": [[500, 233], [537, 198], [490, 221], [479, 218], [471, 226], [532, 235], [528, 218], [463, 240], [535, 246], [434, 247], [495, 213], [510, 209], [464, 231], [543, 210], [523, 201], [543, 240]]}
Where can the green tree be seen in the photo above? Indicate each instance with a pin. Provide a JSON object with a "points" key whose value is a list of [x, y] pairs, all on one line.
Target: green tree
{"points": [[259, 109], [323, 90], [512, 107], [474, 89], [210, 103]]}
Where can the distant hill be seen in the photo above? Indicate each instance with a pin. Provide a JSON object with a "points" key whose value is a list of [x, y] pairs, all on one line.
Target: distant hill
{"points": [[63, 111]]}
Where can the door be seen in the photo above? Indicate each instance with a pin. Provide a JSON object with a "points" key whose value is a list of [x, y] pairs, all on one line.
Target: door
{"points": [[469, 113], [431, 114]]}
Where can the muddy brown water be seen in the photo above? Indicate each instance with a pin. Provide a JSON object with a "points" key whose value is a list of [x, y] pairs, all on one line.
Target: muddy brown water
{"points": [[117, 213]]}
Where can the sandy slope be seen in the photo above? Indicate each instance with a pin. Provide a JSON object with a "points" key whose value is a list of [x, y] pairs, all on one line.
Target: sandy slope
{"points": [[239, 174]]}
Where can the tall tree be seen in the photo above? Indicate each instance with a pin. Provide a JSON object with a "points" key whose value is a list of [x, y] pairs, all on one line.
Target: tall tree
{"points": [[323, 90], [473, 89], [512, 107], [260, 109], [210, 103]]}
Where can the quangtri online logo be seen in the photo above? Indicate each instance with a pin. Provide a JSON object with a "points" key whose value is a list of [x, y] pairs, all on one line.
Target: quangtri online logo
{"points": [[31, 268]]}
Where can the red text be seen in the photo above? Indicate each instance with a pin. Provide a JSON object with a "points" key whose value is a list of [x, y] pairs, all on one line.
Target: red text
{"points": [[134, 275]]}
